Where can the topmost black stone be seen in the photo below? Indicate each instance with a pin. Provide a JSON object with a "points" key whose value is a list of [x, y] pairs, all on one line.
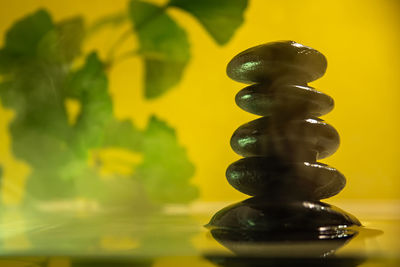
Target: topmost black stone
{"points": [[284, 60]]}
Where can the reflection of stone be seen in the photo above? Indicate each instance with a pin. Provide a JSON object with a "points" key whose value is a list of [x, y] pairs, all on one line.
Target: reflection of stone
{"points": [[284, 262], [280, 168]]}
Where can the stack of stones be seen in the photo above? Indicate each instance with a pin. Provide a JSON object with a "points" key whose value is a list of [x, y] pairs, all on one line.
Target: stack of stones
{"points": [[281, 150]]}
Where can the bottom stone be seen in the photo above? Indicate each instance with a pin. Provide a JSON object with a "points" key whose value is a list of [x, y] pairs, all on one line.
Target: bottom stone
{"points": [[283, 218], [259, 226]]}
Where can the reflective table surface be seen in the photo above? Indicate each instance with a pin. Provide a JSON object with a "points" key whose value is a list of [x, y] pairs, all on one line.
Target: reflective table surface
{"points": [[80, 233]]}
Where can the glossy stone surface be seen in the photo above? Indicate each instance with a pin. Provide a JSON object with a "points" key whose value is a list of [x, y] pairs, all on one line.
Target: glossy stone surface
{"points": [[286, 219], [290, 140], [278, 61], [287, 99], [263, 228], [276, 179]]}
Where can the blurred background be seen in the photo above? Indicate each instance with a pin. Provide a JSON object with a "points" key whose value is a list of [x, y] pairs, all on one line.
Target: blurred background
{"points": [[124, 105], [126, 102]]}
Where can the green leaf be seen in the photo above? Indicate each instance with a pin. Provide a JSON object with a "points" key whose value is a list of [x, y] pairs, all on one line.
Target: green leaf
{"points": [[6, 62], [220, 18], [89, 85], [166, 169], [10, 98], [129, 136], [70, 34], [163, 44], [63, 43], [24, 36], [35, 37], [22, 40]]}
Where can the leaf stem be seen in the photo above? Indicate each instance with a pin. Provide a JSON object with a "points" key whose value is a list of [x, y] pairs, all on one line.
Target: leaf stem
{"points": [[122, 57], [125, 35], [114, 48], [113, 19]]}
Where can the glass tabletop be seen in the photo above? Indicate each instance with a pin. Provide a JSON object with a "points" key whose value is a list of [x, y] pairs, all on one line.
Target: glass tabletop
{"points": [[81, 233]]}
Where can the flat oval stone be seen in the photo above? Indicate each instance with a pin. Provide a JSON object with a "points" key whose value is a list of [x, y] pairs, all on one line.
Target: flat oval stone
{"points": [[285, 60], [275, 179], [262, 215], [290, 140], [284, 100], [264, 230]]}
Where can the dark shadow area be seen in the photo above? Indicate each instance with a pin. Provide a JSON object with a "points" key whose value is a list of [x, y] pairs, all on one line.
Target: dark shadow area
{"points": [[284, 262]]}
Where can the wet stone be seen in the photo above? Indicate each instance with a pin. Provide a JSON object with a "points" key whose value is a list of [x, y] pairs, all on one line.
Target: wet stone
{"points": [[298, 228], [284, 100], [288, 218], [285, 61], [290, 140], [279, 180]]}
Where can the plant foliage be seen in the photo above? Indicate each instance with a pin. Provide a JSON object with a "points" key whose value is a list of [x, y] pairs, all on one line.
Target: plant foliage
{"points": [[38, 81]]}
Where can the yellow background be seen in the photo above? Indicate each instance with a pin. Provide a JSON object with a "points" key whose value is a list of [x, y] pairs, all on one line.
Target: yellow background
{"points": [[360, 38]]}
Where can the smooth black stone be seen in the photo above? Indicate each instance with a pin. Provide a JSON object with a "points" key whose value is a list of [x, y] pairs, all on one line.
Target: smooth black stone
{"points": [[276, 179], [290, 140], [289, 220], [284, 61], [261, 228], [288, 99]]}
